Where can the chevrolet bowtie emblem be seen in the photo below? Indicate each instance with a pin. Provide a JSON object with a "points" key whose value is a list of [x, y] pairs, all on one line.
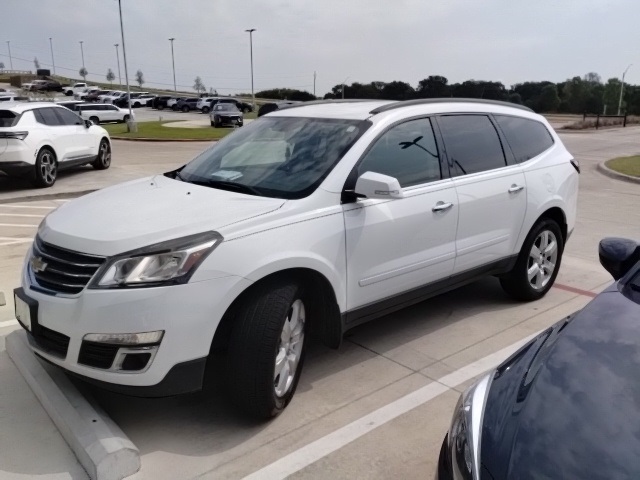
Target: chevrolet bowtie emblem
{"points": [[38, 265]]}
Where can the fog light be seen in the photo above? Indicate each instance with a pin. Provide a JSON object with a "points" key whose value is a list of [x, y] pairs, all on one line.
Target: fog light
{"points": [[145, 338], [135, 361]]}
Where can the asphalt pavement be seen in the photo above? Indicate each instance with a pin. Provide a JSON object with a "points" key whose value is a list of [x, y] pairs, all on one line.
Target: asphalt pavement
{"points": [[377, 408]]}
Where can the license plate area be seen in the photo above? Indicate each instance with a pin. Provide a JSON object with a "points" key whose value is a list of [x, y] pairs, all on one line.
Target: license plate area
{"points": [[26, 309]]}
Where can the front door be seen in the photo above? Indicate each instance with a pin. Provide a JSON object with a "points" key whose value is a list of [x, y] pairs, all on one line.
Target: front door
{"points": [[394, 246]]}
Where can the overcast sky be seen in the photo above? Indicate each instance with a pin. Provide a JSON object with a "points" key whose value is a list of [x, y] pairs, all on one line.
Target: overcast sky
{"points": [[365, 40]]}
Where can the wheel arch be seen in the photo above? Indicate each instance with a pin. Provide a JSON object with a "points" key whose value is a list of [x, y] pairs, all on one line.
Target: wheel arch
{"points": [[48, 146], [559, 216], [325, 320]]}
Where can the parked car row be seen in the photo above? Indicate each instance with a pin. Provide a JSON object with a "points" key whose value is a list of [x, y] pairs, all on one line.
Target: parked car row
{"points": [[97, 112], [203, 104]]}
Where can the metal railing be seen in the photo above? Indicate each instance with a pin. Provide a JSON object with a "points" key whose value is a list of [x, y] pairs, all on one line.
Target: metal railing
{"points": [[598, 117], [16, 72]]}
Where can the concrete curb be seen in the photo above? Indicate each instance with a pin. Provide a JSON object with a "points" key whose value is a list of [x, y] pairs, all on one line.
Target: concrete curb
{"points": [[602, 168], [47, 196], [104, 451], [127, 139]]}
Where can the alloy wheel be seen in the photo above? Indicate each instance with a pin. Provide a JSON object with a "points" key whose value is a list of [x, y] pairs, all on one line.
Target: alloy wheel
{"points": [[289, 349], [542, 260]]}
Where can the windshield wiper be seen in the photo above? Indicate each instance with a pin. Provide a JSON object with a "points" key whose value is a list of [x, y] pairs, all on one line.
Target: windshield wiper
{"points": [[226, 185]]}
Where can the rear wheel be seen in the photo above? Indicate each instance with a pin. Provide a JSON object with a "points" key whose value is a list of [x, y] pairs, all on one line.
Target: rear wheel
{"points": [[266, 349], [160, 106], [217, 124], [185, 108], [213, 124], [104, 156], [174, 107], [95, 120], [46, 169], [205, 109], [125, 119], [538, 263]]}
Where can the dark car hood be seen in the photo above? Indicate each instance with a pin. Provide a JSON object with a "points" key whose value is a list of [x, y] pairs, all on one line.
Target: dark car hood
{"points": [[569, 407]]}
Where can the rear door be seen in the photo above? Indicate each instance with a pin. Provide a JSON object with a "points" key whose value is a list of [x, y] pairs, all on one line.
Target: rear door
{"points": [[490, 187], [56, 132], [77, 137]]}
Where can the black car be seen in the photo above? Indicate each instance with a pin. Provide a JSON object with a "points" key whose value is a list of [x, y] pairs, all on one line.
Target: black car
{"points": [[565, 406], [160, 102], [186, 104], [273, 106], [226, 114]]}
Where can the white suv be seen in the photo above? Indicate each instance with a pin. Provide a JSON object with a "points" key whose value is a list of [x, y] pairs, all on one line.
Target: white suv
{"points": [[309, 221], [38, 139], [102, 112]]}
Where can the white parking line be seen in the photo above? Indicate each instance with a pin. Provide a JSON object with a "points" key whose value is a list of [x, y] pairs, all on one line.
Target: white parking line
{"points": [[17, 239], [328, 444], [6, 205], [20, 215], [8, 323], [18, 225]]}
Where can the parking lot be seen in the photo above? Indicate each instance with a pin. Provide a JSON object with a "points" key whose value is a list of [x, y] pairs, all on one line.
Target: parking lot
{"points": [[378, 407]]}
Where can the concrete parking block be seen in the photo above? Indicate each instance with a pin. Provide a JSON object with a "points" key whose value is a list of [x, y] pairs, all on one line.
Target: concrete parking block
{"points": [[101, 447]]}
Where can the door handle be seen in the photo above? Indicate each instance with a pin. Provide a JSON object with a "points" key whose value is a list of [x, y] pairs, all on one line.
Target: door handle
{"points": [[516, 188], [441, 207]]}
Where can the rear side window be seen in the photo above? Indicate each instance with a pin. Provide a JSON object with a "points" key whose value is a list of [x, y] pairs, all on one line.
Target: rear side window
{"points": [[472, 143], [527, 138], [7, 118], [407, 152], [47, 116]]}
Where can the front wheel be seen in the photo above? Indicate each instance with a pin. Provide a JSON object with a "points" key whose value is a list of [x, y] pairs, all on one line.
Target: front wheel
{"points": [[185, 109], [266, 350], [538, 263], [125, 119], [103, 161]]}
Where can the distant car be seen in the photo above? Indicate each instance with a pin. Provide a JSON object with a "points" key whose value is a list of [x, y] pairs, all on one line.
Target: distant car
{"points": [[12, 97], [226, 114], [273, 106], [102, 113], [93, 95], [85, 93], [45, 85], [565, 406], [117, 95], [187, 104], [69, 90], [171, 103], [39, 138], [204, 104], [160, 102], [142, 100], [71, 104], [108, 94]]}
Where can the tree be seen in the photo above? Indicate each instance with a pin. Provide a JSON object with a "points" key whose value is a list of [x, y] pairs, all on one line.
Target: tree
{"points": [[575, 93], [286, 94], [612, 95], [198, 86], [83, 73], [434, 86], [549, 100], [110, 76], [36, 63], [515, 98], [397, 91], [139, 78], [213, 92], [593, 78], [1, 66]]}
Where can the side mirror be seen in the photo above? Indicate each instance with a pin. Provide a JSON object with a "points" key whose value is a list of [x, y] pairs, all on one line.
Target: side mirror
{"points": [[618, 255], [377, 185], [88, 123]]}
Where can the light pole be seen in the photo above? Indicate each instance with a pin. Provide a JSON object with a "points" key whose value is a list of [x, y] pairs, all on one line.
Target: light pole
{"points": [[173, 63], [82, 52], [131, 124], [10, 58], [53, 62], [622, 89], [253, 97], [118, 61], [343, 82]]}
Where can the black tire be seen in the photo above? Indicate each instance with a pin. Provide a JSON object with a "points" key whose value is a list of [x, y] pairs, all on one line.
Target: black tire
{"points": [[68, 93], [217, 124], [45, 171], [95, 120], [160, 106], [205, 109], [213, 124], [125, 119], [174, 107], [255, 344], [185, 108], [103, 160], [517, 283]]}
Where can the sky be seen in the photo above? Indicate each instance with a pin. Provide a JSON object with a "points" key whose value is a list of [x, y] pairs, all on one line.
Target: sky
{"points": [[510, 41]]}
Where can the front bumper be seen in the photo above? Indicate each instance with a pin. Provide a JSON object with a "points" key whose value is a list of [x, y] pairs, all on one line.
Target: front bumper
{"points": [[188, 314], [444, 462]]}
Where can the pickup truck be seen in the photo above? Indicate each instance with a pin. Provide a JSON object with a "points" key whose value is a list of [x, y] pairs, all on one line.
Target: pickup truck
{"points": [[75, 88]]}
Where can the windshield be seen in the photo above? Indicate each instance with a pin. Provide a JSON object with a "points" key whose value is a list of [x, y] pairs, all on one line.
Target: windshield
{"points": [[226, 106], [282, 157]]}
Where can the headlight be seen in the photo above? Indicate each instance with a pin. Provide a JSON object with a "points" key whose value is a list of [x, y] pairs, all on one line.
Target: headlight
{"points": [[466, 430], [171, 262]]}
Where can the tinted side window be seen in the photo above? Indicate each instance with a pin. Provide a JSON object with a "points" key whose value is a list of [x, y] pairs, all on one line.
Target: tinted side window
{"points": [[47, 116], [67, 117], [7, 118], [407, 152], [527, 138], [472, 143]]}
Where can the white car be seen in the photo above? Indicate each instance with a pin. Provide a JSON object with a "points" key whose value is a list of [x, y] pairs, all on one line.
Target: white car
{"points": [[12, 97], [83, 94], [70, 90], [110, 96], [142, 100], [173, 101], [38, 139], [311, 220], [204, 104], [101, 113]]}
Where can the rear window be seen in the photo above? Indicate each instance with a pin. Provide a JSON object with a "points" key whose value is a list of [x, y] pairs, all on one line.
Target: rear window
{"points": [[8, 118], [527, 138]]}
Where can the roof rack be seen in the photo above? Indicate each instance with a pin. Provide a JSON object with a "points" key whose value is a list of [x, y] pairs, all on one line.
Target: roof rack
{"points": [[426, 101], [330, 100]]}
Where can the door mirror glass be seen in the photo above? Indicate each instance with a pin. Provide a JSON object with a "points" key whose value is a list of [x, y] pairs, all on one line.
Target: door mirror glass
{"points": [[377, 185], [618, 255]]}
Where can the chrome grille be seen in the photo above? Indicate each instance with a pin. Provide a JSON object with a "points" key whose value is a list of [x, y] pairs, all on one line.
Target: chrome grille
{"points": [[64, 271]]}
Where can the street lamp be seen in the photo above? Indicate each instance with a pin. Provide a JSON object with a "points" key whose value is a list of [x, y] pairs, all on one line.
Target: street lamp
{"points": [[622, 89], [173, 63], [343, 82], [53, 62], [82, 52], [118, 61], [253, 97], [131, 124], [10, 57]]}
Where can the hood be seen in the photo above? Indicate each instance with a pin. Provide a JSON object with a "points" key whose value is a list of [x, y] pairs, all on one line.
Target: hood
{"points": [[147, 211], [569, 409]]}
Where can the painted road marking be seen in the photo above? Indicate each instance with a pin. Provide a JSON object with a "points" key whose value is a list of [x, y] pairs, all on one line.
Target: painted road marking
{"points": [[579, 291], [6, 205], [16, 239], [19, 215], [17, 225], [311, 453], [8, 323]]}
